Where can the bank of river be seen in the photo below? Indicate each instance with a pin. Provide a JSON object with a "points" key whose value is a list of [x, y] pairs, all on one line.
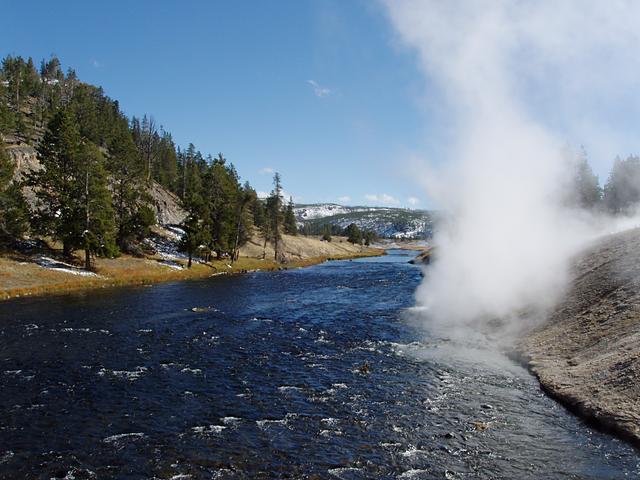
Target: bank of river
{"points": [[311, 373], [588, 353], [39, 275]]}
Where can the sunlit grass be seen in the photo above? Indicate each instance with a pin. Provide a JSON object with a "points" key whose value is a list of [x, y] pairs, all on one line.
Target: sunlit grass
{"points": [[20, 277]]}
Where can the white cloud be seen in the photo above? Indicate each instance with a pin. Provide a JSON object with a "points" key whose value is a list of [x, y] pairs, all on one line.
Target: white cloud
{"points": [[96, 63], [413, 200], [344, 199], [266, 170], [262, 194], [383, 199], [319, 90]]}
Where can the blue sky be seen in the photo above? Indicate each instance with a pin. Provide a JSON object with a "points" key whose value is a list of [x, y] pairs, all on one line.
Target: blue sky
{"points": [[317, 90]]}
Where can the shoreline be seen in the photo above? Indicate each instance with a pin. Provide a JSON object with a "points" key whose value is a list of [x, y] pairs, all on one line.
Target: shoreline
{"points": [[131, 271], [606, 422], [586, 355]]}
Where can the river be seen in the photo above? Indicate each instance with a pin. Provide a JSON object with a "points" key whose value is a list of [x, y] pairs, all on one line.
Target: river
{"points": [[312, 373]]}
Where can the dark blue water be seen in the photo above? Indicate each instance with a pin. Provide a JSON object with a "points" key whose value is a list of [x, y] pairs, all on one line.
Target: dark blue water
{"points": [[270, 382]]}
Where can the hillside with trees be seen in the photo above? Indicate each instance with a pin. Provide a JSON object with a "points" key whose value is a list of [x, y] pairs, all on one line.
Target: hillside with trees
{"points": [[382, 222], [87, 186]]}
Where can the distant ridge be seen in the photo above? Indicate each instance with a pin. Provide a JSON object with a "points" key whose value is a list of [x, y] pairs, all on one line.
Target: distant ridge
{"points": [[386, 222]]}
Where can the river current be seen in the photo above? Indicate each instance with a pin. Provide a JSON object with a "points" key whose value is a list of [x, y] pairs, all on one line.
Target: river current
{"points": [[314, 373]]}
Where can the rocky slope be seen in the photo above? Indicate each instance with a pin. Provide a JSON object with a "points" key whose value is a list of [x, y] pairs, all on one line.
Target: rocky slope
{"points": [[588, 354], [167, 205]]}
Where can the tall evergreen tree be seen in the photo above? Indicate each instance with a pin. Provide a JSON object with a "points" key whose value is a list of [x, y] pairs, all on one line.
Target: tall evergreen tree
{"points": [[148, 144], [196, 233], [244, 221], [290, 223], [99, 226], [71, 190], [585, 192], [132, 216], [275, 216], [261, 222], [167, 174], [622, 191], [369, 237], [222, 189], [354, 235], [326, 233]]}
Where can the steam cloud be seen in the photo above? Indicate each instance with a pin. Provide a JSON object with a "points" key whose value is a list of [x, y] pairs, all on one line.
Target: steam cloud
{"points": [[519, 79]]}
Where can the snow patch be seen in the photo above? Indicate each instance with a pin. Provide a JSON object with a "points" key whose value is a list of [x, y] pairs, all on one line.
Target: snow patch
{"points": [[58, 266]]}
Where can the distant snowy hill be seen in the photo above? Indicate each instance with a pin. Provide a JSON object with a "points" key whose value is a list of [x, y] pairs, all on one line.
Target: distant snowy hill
{"points": [[321, 210], [386, 222]]}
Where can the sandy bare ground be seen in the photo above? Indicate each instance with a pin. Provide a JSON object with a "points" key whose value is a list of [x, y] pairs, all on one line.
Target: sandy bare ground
{"points": [[588, 354]]}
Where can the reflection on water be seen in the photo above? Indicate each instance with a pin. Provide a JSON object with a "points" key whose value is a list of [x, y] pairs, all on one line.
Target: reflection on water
{"points": [[312, 373]]}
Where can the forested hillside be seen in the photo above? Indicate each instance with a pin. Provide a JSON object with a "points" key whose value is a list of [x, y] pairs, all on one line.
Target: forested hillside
{"points": [[75, 170], [385, 222]]}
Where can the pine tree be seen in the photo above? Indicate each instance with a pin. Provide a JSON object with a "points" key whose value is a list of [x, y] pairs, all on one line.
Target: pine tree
{"points": [[223, 191], [586, 192], [261, 222], [622, 191], [354, 235], [167, 163], [148, 144], [290, 223], [259, 216], [244, 222], [187, 161], [326, 234], [73, 200], [99, 225], [13, 209], [369, 237], [132, 215], [275, 216], [195, 231], [7, 117]]}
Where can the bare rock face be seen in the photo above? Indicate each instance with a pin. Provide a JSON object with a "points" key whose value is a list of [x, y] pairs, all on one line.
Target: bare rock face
{"points": [[26, 161], [168, 209], [588, 354], [167, 205], [25, 158]]}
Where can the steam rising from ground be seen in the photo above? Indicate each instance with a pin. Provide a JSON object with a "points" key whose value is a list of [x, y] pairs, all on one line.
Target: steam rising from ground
{"points": [[517, 77]]}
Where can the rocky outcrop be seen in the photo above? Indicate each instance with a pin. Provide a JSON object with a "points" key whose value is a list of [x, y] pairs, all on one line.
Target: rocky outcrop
{"points": [[166, 204], [25, 158], [588, 353]]}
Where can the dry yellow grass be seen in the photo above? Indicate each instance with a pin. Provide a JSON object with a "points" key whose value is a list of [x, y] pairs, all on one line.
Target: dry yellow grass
{"points": [[20, 277]]}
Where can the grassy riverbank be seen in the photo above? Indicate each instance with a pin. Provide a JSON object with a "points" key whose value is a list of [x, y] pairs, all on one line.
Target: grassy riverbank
{"points": [[20, 275]]}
